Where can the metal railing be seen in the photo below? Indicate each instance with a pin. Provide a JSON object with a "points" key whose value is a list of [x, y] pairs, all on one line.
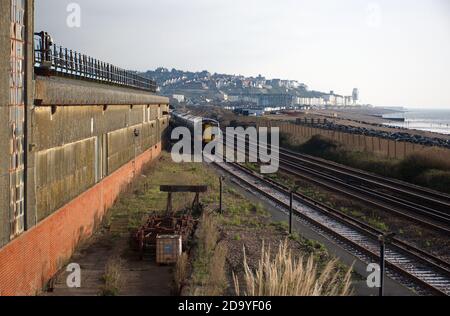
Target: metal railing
{"points": [[50, 58]]}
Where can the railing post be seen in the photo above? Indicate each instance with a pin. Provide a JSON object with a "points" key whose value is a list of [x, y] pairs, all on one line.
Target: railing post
{"points": [[75, 60], [84, 64], [80, 64], [291, 210], [221, 179], [60, 59], [71, 62]]}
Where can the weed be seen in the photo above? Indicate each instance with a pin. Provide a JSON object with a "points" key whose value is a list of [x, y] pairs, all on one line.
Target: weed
{"points": [[284, 275], [181, 271], [112, 278], [209, 265]]}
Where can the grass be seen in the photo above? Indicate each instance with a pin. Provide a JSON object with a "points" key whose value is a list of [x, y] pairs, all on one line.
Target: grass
{"points": [[144, 197], [112, 278], [284, 275], [209, 276], [240, 212], [428, 168], [181, 272]]}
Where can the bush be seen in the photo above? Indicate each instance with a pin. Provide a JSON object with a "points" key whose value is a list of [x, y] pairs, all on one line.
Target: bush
{"points": [[435, 179], [419, 163]]}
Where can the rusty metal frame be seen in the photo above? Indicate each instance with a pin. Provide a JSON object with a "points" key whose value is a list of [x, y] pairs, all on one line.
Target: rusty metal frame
{"points": [[146, 236]]}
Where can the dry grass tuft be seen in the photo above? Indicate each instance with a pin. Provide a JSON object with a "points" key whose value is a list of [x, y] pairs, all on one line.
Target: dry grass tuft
{"points": [[207, 234], [284, 275], [112, 278], [209, 271], [217, 275], [181, 271]]}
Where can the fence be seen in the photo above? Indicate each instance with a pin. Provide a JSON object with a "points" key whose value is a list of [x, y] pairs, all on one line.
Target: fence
{"points": [[51, 58], [385, 148]]}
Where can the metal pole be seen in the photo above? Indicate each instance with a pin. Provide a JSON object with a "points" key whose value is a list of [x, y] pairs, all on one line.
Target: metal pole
{"points": [[382, 265], [383, 239], [221, 195], [291, 210]]}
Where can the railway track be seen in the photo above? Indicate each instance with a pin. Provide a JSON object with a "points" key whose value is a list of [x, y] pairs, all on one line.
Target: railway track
{"points": [[342, 179], [421, 195], [411, 266], [436, 202]]}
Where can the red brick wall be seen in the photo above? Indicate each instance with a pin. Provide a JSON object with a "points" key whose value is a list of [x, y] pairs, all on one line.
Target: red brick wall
{"points": [[31, 260]]}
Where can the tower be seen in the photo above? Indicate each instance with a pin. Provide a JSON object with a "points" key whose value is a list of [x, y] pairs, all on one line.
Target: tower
{"points": [[355, 95]]}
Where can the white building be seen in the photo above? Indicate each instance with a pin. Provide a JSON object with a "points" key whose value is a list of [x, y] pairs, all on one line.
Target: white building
{"points": [[309, 101], [349, 101]]}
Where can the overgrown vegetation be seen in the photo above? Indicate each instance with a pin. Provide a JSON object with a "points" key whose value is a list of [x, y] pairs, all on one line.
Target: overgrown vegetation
{"points": [[209, 274], [426, 169], [181, 272], [112, 278], [284, 275], [144, 197]]}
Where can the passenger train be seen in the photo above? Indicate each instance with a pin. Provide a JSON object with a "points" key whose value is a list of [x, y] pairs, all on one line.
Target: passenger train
{"points": [[190, 121]]}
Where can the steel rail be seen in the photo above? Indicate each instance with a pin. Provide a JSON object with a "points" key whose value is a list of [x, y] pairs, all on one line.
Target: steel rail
{"points": [[387, 200], [369, 232], [427, 257], [373, 198], [421, 196], [439, 224]]}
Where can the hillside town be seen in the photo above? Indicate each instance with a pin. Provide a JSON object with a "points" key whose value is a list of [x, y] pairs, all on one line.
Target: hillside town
{"points": [[237, 91]]}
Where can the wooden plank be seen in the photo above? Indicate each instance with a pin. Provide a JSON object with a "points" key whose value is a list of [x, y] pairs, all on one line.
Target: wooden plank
{"points": [[184, 188]]}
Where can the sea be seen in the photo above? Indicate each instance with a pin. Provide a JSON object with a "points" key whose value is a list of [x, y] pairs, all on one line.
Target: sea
{"points": [[433, 120]]}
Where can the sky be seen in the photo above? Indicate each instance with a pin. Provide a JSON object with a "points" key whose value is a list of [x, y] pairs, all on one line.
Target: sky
{"points": [[397, 52]]}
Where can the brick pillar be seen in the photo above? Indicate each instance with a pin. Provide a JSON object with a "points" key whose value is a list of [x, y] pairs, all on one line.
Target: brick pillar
{"points": [[5, 10], [16, 96]]}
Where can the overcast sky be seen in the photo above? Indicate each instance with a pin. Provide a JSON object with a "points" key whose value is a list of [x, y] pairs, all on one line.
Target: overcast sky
{"points": [[397, 52]]}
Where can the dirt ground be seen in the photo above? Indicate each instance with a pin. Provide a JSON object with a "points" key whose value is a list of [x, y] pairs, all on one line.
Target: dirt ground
{"points": [[138, 277]]}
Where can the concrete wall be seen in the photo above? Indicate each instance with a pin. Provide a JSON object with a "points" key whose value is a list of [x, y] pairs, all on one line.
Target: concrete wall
{"points": [[76, 146], [66, 91], [5, 45]]}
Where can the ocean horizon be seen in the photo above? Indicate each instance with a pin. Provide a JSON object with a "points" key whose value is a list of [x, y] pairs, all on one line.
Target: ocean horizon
{"points": [[435, 120]]}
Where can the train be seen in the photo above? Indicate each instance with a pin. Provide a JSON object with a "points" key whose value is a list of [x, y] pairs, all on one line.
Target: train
{"points": [[190, 121]]}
